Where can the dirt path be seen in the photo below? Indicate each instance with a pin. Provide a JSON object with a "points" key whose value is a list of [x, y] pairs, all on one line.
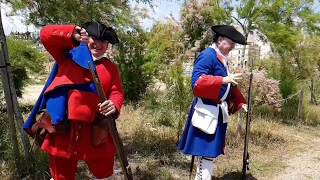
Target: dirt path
{"points": [[304, 164], [31, 93]]}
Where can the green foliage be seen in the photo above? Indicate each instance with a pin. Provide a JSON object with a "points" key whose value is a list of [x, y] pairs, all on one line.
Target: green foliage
{"points": [[129, 53], [132, 62], [41, 171], [288, 80], [25, 59], [171, 106], [307, 57], [271, 66], [163, 46], [280, 70], [42, 12], [198, 17], [289, 110], [166, 54], [19, 78], [24, 53], [180, 94]]}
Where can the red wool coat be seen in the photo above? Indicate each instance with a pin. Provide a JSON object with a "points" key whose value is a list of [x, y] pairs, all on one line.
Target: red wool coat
{"points": [[82, 106]]}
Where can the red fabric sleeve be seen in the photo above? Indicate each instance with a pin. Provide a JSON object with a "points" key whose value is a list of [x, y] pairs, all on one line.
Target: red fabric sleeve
{"points": [[208, 87], [116, 94], [235, 100], [57, 39]]}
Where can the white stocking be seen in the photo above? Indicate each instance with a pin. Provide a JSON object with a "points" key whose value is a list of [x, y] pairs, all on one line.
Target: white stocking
{"points": [[204, 169]]}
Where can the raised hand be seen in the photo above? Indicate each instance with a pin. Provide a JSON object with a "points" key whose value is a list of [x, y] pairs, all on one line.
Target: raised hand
{"points": [[81, 35], [232, 78]]}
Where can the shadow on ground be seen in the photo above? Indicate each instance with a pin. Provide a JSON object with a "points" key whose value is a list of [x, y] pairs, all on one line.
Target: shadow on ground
{"points": [[234, 176]]}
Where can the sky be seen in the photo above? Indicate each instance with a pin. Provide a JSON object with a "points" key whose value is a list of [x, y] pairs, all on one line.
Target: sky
{"points": [[161, 10], [13, 23]]}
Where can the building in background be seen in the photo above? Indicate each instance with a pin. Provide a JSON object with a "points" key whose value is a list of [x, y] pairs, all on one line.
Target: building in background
{"points": [[256, 49]]}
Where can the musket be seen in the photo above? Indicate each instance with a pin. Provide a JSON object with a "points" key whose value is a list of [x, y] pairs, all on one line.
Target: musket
{"points": [[122, 156], [246, 160], [191, 167]]}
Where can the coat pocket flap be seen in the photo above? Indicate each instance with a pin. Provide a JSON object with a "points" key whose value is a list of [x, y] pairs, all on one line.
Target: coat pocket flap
{"points": [[209, 110]]}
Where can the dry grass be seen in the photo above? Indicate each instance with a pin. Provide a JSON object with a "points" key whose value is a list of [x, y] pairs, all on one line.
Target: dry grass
{"points": [[267, 142], [4, 170], [153, 154], [312, 115], [152, 148]]}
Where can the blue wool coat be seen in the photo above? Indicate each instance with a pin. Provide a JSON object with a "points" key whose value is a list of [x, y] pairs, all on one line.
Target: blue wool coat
{"points": [[207, 84]]}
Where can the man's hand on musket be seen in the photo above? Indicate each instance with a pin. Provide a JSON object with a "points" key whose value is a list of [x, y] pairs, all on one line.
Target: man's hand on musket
{"points": [[232, 78], [245, 107], [107, 108], [80, 35]]}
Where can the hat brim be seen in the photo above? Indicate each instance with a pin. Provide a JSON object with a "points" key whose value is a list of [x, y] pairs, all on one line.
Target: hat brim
{"points": [[229, 32], [99, 31]]}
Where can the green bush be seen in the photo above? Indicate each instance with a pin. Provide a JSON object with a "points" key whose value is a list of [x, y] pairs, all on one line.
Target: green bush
{"points": [[289, 110], [288, 79], [131, 62], [25, 59], [271, 66], [288, 86]]}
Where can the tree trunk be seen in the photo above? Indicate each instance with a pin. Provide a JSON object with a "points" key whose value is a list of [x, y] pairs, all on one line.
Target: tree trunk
{"points": [[10, 111], [313, 97], [11, 100], [301, 105]]}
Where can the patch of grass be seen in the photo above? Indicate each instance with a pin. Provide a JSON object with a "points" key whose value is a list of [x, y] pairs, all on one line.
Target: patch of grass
{"points": [[265, 112], [83, 171], [149, 170], [4, 170], [153, 170], [267, 140], [266, 133], [4, 138], [312, 116], [153, 152], [143, 136], [263, 132], [289, 111], [166, 174], [153, 147]]}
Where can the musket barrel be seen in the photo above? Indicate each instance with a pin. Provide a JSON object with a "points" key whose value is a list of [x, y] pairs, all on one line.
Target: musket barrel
{"points": [[112, 127]]}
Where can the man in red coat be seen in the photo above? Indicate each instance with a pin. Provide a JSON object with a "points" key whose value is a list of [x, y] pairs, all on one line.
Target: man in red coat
{"points": [[75, 143]]}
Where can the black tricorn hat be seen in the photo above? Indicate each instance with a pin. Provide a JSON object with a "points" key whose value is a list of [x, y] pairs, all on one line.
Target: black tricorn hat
{"points": [[229, 32], [99, 31]]}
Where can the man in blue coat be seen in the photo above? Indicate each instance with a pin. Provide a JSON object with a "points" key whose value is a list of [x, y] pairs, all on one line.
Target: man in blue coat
{"points": [[216, 96]]}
